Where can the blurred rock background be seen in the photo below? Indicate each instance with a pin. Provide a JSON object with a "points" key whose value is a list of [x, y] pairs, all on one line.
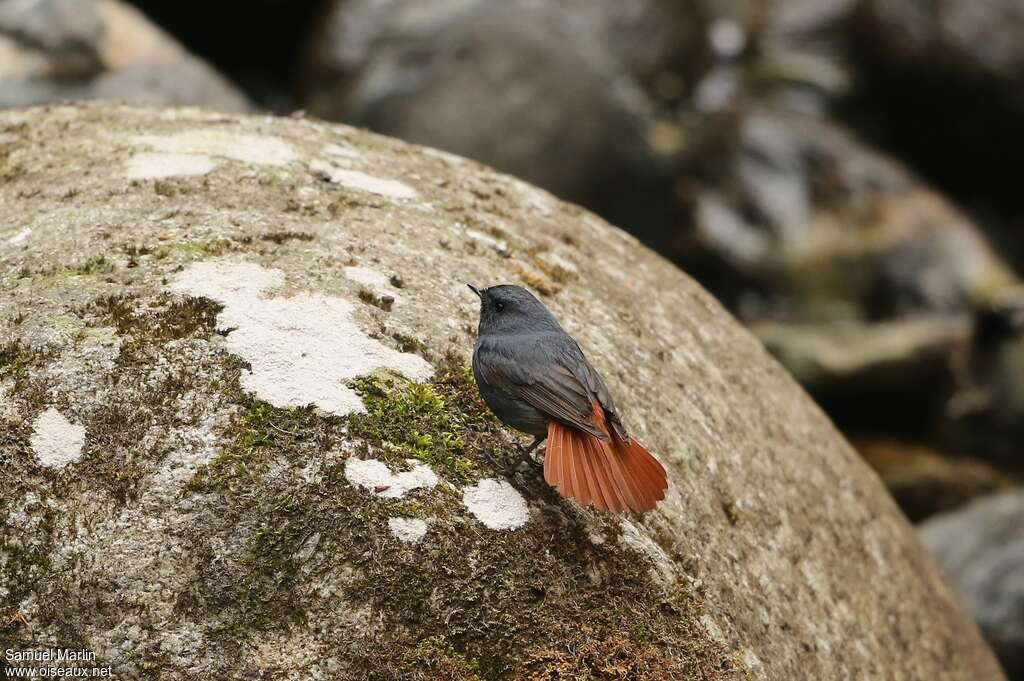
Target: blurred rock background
{"points": [[843, 174]]}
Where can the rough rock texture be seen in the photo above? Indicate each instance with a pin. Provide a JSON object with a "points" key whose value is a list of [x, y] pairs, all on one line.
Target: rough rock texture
{"points": [[159, 267], [53, 50], [981, 549], [562, 109]]}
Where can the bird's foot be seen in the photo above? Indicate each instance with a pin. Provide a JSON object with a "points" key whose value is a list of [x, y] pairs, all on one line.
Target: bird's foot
{"points": [[531, 456]]}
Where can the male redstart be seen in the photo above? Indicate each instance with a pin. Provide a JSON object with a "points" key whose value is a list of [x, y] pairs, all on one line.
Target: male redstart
{"points": [[534, 377]]}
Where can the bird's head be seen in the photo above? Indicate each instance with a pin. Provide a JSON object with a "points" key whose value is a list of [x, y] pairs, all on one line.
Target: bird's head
{"points": [[509, 309]]}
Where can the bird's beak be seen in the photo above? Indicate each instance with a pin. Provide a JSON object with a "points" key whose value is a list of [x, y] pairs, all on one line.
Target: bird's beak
{"points": [[477, 291]]}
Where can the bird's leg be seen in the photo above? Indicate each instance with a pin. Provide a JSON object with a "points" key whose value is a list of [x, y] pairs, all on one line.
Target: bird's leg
{"points": [[524, 454]]}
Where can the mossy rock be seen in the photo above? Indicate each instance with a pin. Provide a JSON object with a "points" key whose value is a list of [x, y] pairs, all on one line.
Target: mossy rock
{"points": [[239, 438]]}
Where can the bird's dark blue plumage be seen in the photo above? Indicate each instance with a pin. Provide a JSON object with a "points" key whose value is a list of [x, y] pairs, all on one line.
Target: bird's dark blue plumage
{"points": [[535, 378]]}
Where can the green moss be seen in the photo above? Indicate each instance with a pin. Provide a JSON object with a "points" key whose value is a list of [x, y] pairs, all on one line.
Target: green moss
{"points": [[281, 237], [437, 657], [97, 264], [192, 249], [258, 433], [164, 319], [141, 402], [408, 343], [14, 359], [11, 171], [24, 557], [91, 266], [442, 423], [16, 362]]}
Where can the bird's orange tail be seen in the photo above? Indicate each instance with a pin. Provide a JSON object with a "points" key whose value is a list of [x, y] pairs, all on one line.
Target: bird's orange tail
{"points": [[611, 475]]}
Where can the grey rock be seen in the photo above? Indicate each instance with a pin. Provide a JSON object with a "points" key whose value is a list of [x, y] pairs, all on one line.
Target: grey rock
{"points": [[793, 218], [530, 88], [981, 549], [53, 50], [979, 39], [67, 29], [194, 294]]}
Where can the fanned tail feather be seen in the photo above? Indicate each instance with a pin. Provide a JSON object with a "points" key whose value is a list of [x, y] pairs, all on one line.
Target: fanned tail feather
{"points": [[612, 475]]}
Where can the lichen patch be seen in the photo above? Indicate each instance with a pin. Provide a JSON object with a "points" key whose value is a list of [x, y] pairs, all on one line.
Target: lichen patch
{"points": [[354, 179], [20, 236], [341, 152], [496, 504], [302, 348], [375, 476], [56, 441], [408, 530], [156, 165], [256, 149], [367, 277]]}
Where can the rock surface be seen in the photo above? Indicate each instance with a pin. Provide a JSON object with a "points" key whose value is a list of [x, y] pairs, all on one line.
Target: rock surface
{"points": [[160, 265], [981, 549], [52, 50]]}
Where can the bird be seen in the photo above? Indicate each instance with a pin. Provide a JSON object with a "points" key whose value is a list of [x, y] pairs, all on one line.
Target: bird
{"points": [[535, 378]]}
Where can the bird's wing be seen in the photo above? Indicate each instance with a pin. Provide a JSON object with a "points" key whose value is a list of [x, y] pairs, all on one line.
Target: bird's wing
{"points": [[551, 375]]}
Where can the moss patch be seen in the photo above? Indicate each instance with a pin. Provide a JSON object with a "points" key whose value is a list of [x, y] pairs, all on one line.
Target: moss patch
{"points": [[93, 266], [443, 423], [167, 318], [192, 249], [257, 434], [118, 451], [17, 362], [281, 237], [14, 359]]}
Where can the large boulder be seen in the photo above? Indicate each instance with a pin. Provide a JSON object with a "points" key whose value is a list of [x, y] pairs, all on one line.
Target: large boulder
{"points": [[862, 279], [562, 108], [655, 41], [939, 84], [52, 50], [981, 549], [239, 437], [793, 217]]}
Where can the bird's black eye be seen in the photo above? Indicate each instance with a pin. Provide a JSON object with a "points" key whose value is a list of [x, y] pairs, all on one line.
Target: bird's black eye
{"points": [[499, 306]]}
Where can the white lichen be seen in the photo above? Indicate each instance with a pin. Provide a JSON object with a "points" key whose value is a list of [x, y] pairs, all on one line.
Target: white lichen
{"points": [[20, 236], [256, 149], [341, 152], [497, 245], [156, 165], [301, 348], [408, 530], [496, 504], [354, 179], [367, 277], [56, 441], [375, 476]]}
